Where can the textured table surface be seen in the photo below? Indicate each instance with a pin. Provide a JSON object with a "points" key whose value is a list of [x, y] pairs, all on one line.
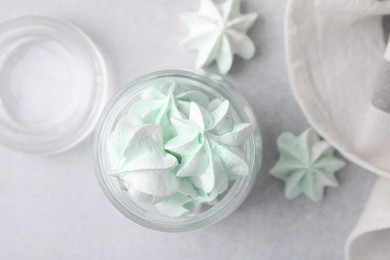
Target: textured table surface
{"points": [[51, 207]]}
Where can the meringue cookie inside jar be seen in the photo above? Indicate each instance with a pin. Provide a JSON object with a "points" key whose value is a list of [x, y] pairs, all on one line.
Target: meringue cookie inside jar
{"points": [[177, 150]]}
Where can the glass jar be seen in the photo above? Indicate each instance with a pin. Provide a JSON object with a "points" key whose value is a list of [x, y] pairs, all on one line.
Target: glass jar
{"points": [[53, 84], [144, 215]]}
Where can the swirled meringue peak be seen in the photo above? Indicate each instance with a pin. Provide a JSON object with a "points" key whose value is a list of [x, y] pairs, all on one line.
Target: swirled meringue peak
{"points": [[178, 150]]}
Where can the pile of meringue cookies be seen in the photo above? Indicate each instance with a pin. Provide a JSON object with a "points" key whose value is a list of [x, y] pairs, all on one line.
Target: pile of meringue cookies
{"points": [[177, 150]]}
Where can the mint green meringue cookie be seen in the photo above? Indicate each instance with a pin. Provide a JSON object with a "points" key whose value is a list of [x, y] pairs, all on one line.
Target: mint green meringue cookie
{"points": [[203, 147], [306, 165], [217, 32], [139, 161], [184, 203], [159, 105]]}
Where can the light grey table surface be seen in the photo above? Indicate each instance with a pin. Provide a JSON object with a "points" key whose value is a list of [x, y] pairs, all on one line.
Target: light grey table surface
{"points": [[51, 207]]}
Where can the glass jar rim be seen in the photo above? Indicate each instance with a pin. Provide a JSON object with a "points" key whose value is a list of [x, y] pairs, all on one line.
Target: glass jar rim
{"points": [[210, 216]]}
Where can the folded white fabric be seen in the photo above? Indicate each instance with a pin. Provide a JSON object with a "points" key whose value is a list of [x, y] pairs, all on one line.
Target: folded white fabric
{"points": [[335, 52], [371, 237]]}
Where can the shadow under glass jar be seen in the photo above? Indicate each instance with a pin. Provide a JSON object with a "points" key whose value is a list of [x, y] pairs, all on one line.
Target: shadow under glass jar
{"points": [[146, 215]]}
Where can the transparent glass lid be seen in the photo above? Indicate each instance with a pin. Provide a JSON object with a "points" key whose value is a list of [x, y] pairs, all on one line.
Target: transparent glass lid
{"points": [[53, 84]]}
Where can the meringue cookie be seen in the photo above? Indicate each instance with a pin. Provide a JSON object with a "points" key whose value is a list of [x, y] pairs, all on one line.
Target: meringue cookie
{"points": [[170, 100], [204, 147], [139, 161], [218, 32], [306, 164], [179, 204], [187, 203]]}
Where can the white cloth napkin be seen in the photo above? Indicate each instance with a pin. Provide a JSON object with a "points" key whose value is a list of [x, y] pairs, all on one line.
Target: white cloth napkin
{"points": [[335, 51], [371, 237]]}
